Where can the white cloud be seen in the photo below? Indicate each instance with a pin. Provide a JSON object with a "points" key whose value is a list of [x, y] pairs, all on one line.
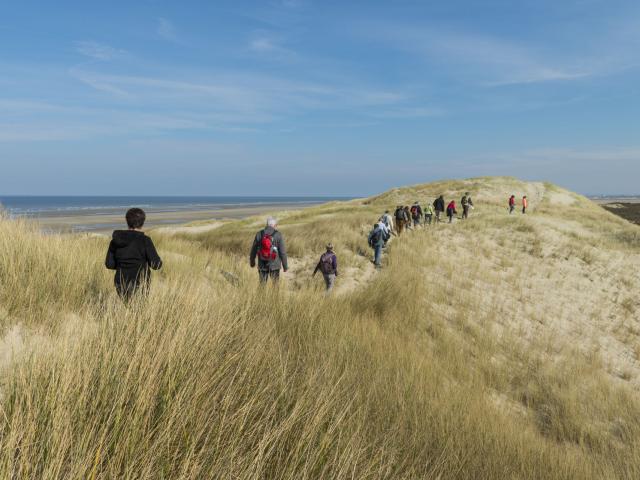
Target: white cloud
{"points": [[99, 51], [166, 29], [482, 59]]}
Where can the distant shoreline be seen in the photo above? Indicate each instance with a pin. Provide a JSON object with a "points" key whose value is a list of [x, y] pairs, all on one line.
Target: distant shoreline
{"points": [[92, 222]]}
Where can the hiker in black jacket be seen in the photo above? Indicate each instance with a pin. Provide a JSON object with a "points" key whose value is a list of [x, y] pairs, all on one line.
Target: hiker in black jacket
{"points": [[268, 246], [132, 254], [438, 206]]}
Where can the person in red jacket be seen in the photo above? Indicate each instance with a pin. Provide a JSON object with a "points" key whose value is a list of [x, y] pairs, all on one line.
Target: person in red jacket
{"points": [[451, 210], [512, 204], [525, 204]]}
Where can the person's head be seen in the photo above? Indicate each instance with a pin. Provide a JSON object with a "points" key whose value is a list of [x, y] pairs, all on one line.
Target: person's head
{"points": [[524, 196], [329, 247], [386, 211], [272, 222], [466, 193], [135, 218]]}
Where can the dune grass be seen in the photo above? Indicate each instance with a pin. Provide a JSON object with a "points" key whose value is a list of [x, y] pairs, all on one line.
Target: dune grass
{"points": [[477, 352]]}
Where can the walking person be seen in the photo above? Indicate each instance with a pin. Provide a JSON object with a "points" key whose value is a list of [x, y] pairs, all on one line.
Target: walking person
{"points": [[416, 214], [399, 214], [438, 206], [132, 255], [388, 220], [376, 241], [328, 266], [525, 204], [407, 217], [268, 246], [386, 231], [512, 204], [428, 213], [451, 210], [467, 204]]}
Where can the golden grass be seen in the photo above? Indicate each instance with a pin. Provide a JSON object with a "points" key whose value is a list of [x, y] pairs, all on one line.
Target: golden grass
{"points": [[482, 350]]}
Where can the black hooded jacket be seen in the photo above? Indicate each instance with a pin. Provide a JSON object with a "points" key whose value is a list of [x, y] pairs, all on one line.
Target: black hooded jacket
{"points": [[131, 253]]}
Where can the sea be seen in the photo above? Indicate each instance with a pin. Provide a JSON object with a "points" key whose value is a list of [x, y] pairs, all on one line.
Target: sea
{"points": [[51, 207]]}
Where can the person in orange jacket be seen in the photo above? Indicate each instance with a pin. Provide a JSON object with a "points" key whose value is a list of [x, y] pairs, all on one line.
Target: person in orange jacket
{"points": [[525, 204]]}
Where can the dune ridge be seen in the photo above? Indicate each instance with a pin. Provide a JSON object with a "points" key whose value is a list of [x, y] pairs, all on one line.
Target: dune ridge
{"points": [[498, 347]]}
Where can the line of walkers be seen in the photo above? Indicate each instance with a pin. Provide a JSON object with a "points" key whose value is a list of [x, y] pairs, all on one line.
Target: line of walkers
{"points": [[411, 217], [133, 255]]}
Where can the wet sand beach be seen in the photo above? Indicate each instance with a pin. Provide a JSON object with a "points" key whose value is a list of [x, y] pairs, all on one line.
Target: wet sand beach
{"points": [[105, 223]]}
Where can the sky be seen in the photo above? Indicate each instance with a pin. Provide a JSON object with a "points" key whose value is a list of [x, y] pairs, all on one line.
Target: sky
{"points": [[310, 97]]}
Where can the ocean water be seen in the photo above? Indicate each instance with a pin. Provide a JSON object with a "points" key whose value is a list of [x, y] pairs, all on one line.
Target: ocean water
{"points": [[86, 211]]}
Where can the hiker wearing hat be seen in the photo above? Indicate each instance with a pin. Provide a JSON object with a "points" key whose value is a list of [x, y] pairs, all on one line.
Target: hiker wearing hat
{"points": [[467, 203], [328, 265]]}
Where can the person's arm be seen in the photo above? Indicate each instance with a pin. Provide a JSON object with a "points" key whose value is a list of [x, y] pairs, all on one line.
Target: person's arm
{"points": [[317, 267], [282, 251], [110, 261], [254, 251], [334, 260], [153, 259]]}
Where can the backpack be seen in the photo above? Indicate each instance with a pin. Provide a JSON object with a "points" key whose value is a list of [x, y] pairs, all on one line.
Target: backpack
{"points": [[414, 211], [267, 250], [326, 263], [374, 237], [400, 214]]}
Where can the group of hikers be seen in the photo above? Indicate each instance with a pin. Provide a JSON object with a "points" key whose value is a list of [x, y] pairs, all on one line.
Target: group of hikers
{"points": [[133, 255], [410, 217], [512, 204]]}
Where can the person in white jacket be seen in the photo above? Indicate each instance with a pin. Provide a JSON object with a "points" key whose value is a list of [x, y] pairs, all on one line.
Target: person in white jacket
{"points": [[387, 218]]}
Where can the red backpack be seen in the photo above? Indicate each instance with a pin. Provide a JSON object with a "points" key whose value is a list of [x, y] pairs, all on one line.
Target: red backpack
{"points": [[267, 250]]}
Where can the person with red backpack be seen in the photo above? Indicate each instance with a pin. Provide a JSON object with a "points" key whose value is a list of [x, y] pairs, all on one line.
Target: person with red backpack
{"points": [[328, 265], [451, 210], [268, 246], [512, 204]]}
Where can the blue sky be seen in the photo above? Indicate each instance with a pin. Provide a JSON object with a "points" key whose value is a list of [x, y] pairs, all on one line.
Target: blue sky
{"points": [[309, 97]]}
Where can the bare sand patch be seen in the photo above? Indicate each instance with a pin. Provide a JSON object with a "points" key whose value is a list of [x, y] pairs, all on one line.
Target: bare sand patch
{"points": [[189, 229]]}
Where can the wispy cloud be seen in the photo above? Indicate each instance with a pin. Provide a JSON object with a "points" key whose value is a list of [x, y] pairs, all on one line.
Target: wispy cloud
{"points": [[99, 51], [251, 93], [166, 29], [482, 59]]}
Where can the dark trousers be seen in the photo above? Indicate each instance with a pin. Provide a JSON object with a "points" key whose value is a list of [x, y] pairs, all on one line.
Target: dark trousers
{"points": [[266, 274], [377, 256], [465, 211]]}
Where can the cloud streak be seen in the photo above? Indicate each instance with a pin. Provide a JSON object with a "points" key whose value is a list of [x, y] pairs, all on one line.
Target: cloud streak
{"points": [[482, 59], [99, 51]]}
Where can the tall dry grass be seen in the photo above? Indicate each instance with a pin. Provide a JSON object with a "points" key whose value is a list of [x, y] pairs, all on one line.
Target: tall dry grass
{"points": [[417, 374]]}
